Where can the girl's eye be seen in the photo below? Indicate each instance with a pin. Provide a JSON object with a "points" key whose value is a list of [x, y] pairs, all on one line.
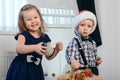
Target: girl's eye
{"points": [[28, 19], [35, 17]]}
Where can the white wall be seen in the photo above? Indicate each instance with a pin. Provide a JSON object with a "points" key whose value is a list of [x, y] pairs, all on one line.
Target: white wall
{"points": [[108, 17], [58, 64], [7, 43]]}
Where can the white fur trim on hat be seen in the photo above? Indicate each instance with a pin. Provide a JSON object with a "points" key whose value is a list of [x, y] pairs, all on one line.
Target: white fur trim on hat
{"points": [[82, 16]]}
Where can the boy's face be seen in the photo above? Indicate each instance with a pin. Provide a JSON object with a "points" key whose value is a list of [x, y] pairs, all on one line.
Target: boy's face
{"points": [[85, 27]]}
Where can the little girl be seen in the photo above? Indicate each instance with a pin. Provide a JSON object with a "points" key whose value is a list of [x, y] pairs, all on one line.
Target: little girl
{"points": [[30, 49], [84, 24]]}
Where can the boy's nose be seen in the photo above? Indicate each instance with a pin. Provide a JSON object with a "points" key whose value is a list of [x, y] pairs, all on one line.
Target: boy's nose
{"points": [[85, 27]]}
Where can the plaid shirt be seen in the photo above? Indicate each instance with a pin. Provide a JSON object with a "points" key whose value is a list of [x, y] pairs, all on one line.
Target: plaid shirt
{"points": [[89, 49]]}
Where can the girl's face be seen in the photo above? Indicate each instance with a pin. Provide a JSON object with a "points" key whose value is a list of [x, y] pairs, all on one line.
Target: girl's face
{"points": [[85, 27], [32, 20]]}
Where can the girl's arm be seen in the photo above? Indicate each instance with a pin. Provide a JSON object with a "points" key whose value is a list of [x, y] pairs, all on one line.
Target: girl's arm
{"points": [[21, 48], [54, 51]]}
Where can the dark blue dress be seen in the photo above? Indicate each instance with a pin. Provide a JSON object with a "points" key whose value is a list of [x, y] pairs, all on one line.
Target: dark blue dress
{"points": [[21, 69]]}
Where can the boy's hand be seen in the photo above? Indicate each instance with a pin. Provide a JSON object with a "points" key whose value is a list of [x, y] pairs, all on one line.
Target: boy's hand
{"points": [[98, 60], [75, 64]]}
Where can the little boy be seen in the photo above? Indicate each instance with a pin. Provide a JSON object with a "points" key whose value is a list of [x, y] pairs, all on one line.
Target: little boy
{"points": [[83, 24]]}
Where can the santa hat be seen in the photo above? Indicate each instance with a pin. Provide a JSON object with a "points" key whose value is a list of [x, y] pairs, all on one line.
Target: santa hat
{"points": [[84, 14]]}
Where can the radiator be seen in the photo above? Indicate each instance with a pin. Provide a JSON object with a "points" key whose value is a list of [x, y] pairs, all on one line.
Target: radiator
{"points": [[5, 60], [7, 57]]}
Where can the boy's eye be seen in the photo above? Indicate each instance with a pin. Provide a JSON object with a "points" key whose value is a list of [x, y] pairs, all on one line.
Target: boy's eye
{"points": [[89, 26], [81, 24]]}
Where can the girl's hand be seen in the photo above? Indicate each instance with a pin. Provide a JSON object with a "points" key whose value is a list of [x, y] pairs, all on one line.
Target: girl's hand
{"points": [[40, 49], [59, 46], [75, 64], [98, 60]]}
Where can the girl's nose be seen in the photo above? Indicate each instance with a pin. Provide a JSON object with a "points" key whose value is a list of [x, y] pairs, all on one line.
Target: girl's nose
{"points": [[33, 20]]}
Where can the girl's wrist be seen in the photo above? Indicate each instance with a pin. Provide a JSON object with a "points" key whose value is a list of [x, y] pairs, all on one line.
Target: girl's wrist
{"points": [[56, 50], [34, 47]]}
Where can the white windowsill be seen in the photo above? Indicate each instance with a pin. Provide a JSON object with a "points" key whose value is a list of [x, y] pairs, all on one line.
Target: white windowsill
{"points": [[7, 33]]}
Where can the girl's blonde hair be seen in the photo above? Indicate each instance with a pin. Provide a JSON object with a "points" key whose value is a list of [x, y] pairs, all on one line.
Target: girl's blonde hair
{"points": [[21, 23]]}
